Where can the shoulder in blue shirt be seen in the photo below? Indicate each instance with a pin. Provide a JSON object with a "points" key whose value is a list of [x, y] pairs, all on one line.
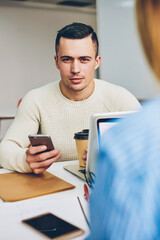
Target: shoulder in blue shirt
{"points": [[126, 201]]}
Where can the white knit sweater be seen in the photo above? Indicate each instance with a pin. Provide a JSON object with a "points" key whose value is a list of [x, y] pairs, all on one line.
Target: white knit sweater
{"points": [[47, 111]]}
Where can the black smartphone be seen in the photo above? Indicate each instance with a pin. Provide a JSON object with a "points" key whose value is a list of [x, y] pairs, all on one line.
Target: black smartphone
{"points": [[53, 227], [41, 139]]}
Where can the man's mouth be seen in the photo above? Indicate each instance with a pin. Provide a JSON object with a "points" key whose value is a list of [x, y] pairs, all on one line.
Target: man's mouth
{"points": [[76, 80]]}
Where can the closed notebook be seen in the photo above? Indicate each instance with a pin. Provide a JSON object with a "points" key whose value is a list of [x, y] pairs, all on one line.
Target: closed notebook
{"points": [[19, 186]]}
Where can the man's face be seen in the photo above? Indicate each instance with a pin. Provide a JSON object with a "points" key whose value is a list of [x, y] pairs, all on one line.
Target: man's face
{"points": [[77, 62]]}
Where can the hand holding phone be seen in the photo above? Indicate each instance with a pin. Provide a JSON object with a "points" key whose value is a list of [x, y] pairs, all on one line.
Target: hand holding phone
{"points": [[41, 139], [37, 156]]}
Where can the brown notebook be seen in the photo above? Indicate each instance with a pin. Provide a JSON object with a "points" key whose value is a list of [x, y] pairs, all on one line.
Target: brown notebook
{"points": [[19, 186]]}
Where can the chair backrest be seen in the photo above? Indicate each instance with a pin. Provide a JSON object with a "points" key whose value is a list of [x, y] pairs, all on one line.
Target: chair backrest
{"points": [[19, 102]]}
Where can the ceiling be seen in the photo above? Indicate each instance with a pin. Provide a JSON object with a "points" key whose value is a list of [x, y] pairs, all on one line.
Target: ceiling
{"points": [[71, 3]]}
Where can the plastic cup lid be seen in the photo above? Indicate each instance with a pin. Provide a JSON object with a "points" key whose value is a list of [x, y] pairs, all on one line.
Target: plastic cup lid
{"points": [[81, 135]]}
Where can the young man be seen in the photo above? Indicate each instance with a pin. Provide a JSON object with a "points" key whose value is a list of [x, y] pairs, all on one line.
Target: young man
{"points": [[64, 107]]}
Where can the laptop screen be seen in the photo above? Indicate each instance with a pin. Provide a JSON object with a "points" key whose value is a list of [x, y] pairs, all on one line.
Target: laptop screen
{"points": [[103, 124]]}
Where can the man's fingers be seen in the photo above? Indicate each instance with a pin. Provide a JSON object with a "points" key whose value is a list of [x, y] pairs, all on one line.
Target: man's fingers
{"points": [[84, 157], [46, 163], [46, 155], [39, 161], [34, 150], [39, 170], [41, 156]]}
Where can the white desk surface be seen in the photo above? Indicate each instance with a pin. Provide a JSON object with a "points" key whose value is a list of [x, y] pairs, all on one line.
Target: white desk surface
{"points": [[63, 204]]}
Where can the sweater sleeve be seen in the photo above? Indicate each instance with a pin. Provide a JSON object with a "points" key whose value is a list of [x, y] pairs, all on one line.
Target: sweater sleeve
{"points": [[15, 143]]}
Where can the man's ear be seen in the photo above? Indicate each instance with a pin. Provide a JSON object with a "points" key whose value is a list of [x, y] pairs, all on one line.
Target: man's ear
{"points": [[56, 61], [98, 61]]}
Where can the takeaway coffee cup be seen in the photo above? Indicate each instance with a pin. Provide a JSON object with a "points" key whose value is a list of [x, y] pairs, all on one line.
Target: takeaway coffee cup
{"points": [[81, 139]]}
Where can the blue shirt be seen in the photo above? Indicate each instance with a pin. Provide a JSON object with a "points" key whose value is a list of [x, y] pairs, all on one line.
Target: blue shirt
{"points": [[125, 204]]}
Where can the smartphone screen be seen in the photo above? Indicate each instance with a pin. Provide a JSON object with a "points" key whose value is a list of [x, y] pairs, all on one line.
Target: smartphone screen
{"points": [[41, 139], [53, 226]]}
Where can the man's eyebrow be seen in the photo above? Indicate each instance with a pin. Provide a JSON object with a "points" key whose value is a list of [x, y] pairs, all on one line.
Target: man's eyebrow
{"points": [[85, 57], [66, 57], [72, 57]]}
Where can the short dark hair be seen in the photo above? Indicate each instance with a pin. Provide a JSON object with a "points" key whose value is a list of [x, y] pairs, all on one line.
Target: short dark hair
{"points": [[77, 31]]}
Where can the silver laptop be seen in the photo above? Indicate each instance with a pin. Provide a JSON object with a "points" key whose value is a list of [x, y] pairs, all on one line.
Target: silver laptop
{"points": [[99, 123]]}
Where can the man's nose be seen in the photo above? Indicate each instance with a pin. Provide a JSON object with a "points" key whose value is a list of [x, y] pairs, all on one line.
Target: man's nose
{"points": [[75, 67]]}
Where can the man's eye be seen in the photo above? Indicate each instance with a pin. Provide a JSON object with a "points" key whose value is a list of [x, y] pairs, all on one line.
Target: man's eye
{"points": [[66, 59], [84, 60]]}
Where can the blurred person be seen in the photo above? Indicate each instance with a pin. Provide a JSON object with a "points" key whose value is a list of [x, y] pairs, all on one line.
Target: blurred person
{"points": [[64, 107], [125, 204]]}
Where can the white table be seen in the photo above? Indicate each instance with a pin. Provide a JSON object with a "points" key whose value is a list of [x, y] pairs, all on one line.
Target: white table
{"points": [[63, 204], [7, 114]]}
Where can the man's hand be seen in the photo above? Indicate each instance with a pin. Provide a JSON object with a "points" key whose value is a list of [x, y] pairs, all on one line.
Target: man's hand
{"points": [[84, 157], [38, 160]]}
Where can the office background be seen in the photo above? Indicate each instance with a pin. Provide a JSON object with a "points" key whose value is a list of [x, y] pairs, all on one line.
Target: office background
{"points": [[27, 34]]}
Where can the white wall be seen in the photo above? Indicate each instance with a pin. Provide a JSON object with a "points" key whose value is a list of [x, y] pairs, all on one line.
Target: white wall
{"points": [[123, 62], [27, 38], [27, 47]]}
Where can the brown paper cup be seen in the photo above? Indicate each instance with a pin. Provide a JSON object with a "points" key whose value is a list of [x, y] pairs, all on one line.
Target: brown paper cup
{"points": [[81, 139], [81, 146]]}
